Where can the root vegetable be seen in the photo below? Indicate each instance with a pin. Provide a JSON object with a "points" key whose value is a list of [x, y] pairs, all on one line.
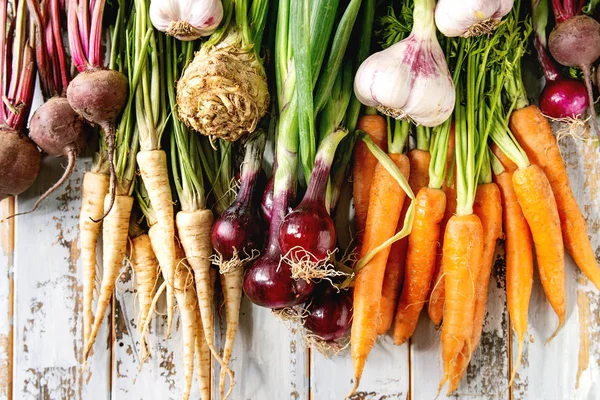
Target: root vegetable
{"points": [[19, 163], [94, 190]]}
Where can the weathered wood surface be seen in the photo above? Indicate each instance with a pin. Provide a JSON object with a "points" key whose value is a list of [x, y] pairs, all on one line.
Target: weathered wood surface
{"points": [[41, 346]]}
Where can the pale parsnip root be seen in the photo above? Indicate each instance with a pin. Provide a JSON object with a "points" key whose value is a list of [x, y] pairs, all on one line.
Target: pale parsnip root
{"points": [[94, 190], [115, 231], [153, 168], [231, 284], [194, 229], [145, 267], [188, 306], [203, 352]]}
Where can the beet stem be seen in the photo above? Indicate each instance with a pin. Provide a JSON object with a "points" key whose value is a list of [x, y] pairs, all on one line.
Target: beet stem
{"points": [[71, 157], [60, 48], [588, 85], [559, 12]]}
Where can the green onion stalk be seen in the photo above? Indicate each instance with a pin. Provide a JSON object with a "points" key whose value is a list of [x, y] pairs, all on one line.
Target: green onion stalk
{"points": [[223, 92]]}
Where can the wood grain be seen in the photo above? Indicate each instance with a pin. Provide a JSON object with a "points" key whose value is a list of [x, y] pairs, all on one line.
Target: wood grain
{"points": [[48, 342], [7, 244], [569, 366]]}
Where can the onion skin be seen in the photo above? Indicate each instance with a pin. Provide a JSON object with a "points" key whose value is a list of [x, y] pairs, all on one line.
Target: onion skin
{"points": [[329, 313], [237, 229], [564, 98], [269, 283], [311, 228]]}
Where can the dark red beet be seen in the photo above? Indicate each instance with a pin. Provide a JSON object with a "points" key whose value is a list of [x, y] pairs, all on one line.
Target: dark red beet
{"points": [[19, 163], [99, 96], [60, 132], [329, 313], [576, 43], [269, 283], [564, 98]]}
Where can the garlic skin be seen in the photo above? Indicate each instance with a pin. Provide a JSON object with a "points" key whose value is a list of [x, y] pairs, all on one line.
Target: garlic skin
{"points": [[470, 17], [186, 19], [409, 80]]}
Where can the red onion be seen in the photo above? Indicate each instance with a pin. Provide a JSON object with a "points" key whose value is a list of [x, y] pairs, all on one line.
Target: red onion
{"points": [[329, 313]]}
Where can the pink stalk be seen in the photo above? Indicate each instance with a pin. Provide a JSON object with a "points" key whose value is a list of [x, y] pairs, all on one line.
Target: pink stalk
{"points": [[95, 54], [3, 69], [84, 24], [77, 52], [560, 14], [55, 8]]}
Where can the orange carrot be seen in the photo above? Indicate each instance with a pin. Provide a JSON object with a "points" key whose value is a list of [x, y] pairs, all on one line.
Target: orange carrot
{"points": [[533, 132], [385, 204], [539, 208], [519, 261], [435, 308], [488, 207], [420, 261], [462, 259], [364, 167], [394, 271], [507, 163]]}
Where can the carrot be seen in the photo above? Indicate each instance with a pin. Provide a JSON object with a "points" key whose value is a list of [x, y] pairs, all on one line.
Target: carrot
{"points": [[194, 229], [94, 190], [188, 309], [231, 283], [114, 239], [435, 308], [203, 353], [364, 167], [519, 262], [393, 278], [539, 208], [488, 207], [533, 132], [505, 161], [462, 257], [420, 261], [145, 267], [385, 204], [153, 169]]}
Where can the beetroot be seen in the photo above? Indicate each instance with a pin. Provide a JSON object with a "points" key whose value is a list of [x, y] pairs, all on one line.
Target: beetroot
{"points": [[19, 163], [575, 42], [60, 132], [99, 96]]}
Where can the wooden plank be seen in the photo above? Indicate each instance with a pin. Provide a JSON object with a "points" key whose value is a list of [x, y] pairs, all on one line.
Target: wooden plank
{"points": [[568, 366], [487, 374], [269, 361], [7, 244], [386, 374], [162, 375], [48, 343]]}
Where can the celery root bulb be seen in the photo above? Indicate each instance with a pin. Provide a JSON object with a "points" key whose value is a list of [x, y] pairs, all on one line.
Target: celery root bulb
{"points": [[223, 93]]}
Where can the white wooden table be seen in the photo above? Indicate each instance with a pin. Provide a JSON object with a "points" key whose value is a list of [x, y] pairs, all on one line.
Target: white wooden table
{"points": [[41, 327]]}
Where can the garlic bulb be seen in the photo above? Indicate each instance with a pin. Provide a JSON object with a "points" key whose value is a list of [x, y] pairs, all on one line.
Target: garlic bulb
{"points": [[470, 17], [186, 19], [410, 80]]}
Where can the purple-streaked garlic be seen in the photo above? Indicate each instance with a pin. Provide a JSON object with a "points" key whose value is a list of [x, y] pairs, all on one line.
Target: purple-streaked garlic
{"points": [[410, 80], [470, 17], [186, 19]]}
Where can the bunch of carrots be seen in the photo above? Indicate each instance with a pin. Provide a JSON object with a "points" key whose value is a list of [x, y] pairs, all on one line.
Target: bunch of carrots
{"points": [[493, 171]]}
